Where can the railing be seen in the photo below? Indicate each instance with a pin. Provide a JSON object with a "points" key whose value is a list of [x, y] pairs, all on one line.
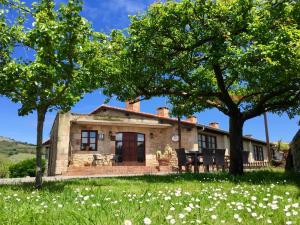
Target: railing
{"points": [[256, 165]]}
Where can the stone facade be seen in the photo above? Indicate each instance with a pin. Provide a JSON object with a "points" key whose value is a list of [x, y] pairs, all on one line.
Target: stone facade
{"points": [[223, 142], [295, 150], [159, 131]]}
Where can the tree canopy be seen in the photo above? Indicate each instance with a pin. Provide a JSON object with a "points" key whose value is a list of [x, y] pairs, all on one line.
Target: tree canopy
{"points": [[64, 48], [240, 56], [65, 59]]}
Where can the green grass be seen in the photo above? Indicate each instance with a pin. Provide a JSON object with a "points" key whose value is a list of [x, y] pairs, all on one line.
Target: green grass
{"points": [[196, 198]]}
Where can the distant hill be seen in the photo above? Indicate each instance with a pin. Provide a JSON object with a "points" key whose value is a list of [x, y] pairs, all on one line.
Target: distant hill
{"points": [[15, 151]]}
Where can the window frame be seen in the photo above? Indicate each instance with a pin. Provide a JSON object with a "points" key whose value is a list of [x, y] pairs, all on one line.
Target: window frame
{"points": [[209, 140], [89, 141], [258, 153]]}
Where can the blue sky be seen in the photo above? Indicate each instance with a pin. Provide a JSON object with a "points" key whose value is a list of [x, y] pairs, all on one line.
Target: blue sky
{"points": [[113, 14]]}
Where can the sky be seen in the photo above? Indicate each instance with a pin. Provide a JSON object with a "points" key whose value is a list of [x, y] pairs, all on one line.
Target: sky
{"points": [[106, 15]]}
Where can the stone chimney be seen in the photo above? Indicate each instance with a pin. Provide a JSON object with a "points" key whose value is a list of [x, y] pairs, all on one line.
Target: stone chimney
{"points": [[133, 106], [163, 112], [214, 125], [192, 119]]}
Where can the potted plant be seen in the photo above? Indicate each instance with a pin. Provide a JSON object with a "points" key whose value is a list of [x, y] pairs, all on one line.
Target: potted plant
{"points": [[164, 157]]}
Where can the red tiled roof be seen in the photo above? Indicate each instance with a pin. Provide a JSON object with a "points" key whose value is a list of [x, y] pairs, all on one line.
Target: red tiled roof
{"points": [[138, 113], [47, 142], [217, 130]]}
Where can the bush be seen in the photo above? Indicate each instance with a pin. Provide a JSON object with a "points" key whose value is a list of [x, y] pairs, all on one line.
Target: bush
{"points": [[4, 168], [25, 168]]}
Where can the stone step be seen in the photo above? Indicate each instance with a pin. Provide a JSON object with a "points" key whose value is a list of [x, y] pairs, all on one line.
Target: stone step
{"points": [[107, 170]]}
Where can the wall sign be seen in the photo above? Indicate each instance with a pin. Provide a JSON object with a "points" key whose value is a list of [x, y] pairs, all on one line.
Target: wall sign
{"points": [[175, 138]]}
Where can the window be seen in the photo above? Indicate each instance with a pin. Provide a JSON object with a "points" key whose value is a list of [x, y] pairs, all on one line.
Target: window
{"points": [[89, 140], [258, 153], [206, 141]]}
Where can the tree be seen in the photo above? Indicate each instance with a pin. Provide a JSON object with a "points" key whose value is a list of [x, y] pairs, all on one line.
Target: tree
{"points": [[241, 57], [66, 62]]}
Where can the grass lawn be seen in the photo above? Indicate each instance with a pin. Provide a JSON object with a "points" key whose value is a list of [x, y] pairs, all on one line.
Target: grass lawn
{"points": [[263, 197]]}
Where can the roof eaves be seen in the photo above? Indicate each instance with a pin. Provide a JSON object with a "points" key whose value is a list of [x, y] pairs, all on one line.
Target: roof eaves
{"points": [[227, 133]]}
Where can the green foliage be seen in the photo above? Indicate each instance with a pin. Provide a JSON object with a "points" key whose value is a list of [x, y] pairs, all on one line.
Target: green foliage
{"points": [[24, 168], [67, 60], [4, 168], [238, 56], [65, 49], [56, 77]]}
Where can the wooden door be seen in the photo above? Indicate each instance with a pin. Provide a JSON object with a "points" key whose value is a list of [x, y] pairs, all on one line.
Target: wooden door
{"points": [[129, 150]]}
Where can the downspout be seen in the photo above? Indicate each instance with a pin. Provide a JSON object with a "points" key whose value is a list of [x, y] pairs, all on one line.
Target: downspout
{"points": [[179, 132], [267, 137]]}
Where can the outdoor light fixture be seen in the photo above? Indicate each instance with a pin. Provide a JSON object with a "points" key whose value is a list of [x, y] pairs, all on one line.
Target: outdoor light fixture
{"points": [[101, 136], [151, 135]]}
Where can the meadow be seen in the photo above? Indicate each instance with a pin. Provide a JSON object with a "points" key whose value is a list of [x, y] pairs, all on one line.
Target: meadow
{"points": [[262, 197]]}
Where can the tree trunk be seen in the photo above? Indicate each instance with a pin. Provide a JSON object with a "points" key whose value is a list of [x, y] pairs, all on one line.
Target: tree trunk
{"points": [[39, 145], [236, 144]]}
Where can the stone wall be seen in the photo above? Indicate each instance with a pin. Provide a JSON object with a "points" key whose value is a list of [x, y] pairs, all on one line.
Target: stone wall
{"points": [[223, 142], [52, 153], [66, 137], [156, 138], [295, 150], [60, 148]]}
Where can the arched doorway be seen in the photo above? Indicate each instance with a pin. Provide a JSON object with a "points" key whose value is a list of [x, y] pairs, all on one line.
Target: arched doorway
{"points": [[130, 147]]}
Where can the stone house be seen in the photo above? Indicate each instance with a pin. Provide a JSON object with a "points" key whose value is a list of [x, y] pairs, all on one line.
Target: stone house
{"points": [[126, 137], [295, 151]]}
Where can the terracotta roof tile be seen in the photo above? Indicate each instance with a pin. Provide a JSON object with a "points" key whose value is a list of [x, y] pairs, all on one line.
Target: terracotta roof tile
{"points": [[138, 113]]}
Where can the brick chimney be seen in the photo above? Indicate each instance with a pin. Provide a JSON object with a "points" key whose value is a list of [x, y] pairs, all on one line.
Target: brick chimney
{"points": [[214, 125], [163, 112], [192, 119], [132, 106]]}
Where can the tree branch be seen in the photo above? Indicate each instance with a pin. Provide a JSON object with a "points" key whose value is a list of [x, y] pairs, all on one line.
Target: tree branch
{"points": [[262, 106], [225, 97]]}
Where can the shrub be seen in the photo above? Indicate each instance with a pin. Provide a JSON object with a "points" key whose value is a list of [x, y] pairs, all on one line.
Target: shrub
{"points": [[24, 168], [4, 168]]}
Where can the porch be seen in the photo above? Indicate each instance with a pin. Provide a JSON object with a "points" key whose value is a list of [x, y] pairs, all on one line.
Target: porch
{"points": [[118, 170]]}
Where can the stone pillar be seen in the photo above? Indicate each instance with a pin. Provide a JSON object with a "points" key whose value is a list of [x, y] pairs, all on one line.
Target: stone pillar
{"points": [[226, 144], [63, 143]]}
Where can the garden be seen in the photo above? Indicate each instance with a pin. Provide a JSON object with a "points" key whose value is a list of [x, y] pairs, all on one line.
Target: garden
{"points": [[258, 197]]}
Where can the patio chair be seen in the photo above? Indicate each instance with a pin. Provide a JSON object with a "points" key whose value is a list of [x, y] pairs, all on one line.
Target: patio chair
{"points": [[116, 159], [207, 158], [182, 159], [97, 160], [220, 158]]}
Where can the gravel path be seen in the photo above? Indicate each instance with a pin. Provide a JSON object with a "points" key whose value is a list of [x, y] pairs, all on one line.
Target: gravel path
{"points": [[10, 181]]}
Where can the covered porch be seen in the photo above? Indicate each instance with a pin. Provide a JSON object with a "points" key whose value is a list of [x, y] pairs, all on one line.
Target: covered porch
{"points": [[100, 143]]}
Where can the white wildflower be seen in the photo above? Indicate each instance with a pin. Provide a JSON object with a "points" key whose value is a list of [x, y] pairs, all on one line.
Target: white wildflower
{"points": [[127, 222], [147, 220], [214, 217]]}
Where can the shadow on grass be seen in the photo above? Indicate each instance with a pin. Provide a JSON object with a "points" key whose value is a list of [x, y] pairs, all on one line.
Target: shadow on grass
{"points": [[253, 177]]}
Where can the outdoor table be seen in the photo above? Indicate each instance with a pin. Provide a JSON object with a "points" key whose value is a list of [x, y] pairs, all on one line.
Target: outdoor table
{"points": [[195, 159]]}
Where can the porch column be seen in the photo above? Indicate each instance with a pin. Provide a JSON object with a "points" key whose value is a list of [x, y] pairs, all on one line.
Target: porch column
{"points": [[63, 143]]}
